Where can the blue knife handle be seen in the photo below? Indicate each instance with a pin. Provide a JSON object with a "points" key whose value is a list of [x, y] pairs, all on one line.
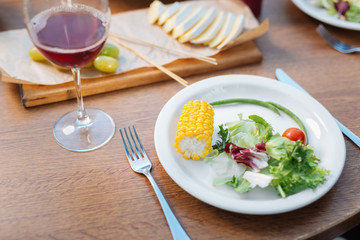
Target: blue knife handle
{"points": [[348, 133], [283, 77]]}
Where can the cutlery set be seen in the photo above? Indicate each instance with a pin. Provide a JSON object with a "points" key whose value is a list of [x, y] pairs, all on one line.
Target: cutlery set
{"points": [[140, 162]]}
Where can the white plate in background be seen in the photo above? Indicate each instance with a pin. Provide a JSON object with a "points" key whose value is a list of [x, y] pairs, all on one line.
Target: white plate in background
{"points": [[321, 15]]}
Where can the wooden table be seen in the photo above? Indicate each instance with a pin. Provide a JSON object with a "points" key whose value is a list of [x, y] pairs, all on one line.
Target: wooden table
{"points": [[47, 192]]}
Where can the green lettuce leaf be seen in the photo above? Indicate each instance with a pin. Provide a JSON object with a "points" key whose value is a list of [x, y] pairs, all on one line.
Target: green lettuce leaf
{"points": [[238, 183], [279, 147], [353, 14], [264, 129], [247, 133], [294, 168]]}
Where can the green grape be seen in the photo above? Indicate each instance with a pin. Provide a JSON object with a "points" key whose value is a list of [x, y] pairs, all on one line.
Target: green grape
{"points": [[36, 55], [105, 64], [110, 50]]}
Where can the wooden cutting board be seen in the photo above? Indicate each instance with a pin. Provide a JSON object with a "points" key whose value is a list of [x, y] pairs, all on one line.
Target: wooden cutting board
{"points": [[34, 95]]}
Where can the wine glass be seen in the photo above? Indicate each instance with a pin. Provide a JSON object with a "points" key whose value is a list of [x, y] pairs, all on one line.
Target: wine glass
{"points": [[71, 33]]}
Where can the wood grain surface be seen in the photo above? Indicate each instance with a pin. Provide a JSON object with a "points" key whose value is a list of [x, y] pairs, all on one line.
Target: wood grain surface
{"points": [[47, 192]]}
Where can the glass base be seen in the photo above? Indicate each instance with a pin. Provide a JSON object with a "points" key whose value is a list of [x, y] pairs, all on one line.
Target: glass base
{"points": [[84, 136]]}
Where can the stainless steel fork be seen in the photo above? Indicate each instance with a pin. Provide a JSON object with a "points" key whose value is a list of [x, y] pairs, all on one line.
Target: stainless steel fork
{"points": [[140, 163], [334, 42]]}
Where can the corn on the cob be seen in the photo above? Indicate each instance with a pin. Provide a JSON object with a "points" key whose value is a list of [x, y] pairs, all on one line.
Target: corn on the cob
{"points": [[194, 130]]}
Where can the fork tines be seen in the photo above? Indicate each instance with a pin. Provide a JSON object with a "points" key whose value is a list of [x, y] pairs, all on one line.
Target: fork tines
{"points": [[328, 37], [134, 156], [333, 41]]}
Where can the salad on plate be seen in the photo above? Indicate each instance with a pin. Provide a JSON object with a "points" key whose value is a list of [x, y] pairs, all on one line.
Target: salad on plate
{"points": [[249, 153]]}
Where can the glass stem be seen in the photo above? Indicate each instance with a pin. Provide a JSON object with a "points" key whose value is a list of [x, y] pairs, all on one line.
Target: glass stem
{"points": [[82, 117]]}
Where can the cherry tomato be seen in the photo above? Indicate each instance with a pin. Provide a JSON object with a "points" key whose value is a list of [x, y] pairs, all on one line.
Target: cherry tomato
{"points": [[295, 134]]}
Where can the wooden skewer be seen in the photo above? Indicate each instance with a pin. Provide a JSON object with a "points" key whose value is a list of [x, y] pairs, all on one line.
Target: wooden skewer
{"points": [[161, 68], [193, 55]]}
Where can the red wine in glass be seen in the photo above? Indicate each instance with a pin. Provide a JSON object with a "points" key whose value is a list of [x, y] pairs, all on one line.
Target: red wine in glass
{"points": [[71, 34], [69, 38]]}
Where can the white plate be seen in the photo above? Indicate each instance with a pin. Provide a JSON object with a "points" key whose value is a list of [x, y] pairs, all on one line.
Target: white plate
{"points": [[195, 177], [321, 15]]}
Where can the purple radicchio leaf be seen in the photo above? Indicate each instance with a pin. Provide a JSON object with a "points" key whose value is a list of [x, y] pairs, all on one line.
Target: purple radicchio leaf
{"points": [[254, 157], [342, 6]]}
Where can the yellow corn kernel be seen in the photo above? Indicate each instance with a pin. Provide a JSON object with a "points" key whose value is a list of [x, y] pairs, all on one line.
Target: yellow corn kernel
{"points": [[195, 130]]}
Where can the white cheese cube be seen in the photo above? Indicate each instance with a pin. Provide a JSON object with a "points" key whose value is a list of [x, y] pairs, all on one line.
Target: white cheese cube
{"points": [[178, 17], [257, 179], [155, 10], [190, 21], [170, 11], [224, 31], [212, 30], [237, 28], [200, 26]]}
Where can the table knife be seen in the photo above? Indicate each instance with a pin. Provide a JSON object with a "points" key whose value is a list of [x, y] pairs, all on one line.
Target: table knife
{"points": [[283, 77]]}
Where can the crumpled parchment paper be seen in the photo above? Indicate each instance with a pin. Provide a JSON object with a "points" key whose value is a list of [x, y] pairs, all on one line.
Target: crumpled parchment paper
{"points": [[17, 66]]}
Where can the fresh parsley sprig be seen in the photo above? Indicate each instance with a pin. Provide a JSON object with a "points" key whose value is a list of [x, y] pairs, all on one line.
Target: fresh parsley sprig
{"points": [[224, 135]]}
